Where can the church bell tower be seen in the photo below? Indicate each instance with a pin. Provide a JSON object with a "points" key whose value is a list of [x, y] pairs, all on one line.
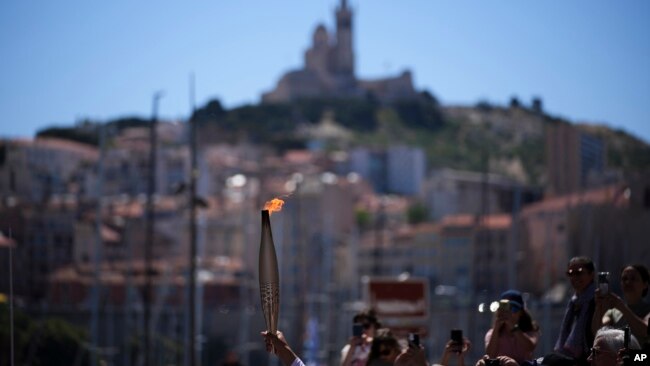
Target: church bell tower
{"points": [[344, 59]]}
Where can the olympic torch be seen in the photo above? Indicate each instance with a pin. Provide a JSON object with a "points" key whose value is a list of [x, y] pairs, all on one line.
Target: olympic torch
{"points": [[268, 269]]}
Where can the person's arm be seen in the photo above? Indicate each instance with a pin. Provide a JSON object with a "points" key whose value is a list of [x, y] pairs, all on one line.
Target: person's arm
{"points": [[297, 362], [411, 357], [527, 340], [444, 360], [279, 345], [638, 326], [452, 348], [352, 346], [492, 342], [501, 321], [603, 303]]}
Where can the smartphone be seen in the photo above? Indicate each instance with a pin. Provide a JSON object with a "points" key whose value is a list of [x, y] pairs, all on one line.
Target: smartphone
{"points": [[457, 339], [603, 282], [504, 305], [492, 362], [357, 330], [414, 340], [457, 336], [626, 338]]}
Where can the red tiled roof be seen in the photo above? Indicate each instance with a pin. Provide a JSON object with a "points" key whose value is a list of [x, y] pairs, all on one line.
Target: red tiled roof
{"points": [[458, 220], [499, 221], [54, 143], [426, 227], [494, 221], [611, 194]]}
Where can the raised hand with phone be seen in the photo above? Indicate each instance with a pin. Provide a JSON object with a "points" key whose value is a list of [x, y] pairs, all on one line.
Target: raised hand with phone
{"points": [[357, 350], [457, 347], [632, 309], [513, 334], [503, 319], [413, 355]]}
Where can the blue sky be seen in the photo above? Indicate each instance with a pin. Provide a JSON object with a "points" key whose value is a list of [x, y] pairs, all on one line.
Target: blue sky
{"points": [[66, 60]]}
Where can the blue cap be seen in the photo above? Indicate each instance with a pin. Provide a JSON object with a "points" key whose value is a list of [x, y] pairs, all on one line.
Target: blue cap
{"points": [[514, 297]]}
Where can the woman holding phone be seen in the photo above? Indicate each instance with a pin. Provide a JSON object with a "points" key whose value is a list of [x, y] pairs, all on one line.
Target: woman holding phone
{"points": [[356, 352], [632, 310], [514, 333]]}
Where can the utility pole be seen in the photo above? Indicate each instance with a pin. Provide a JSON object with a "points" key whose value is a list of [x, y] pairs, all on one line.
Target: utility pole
{"points": [[98, 252], [11, 296], [192, 273], [151, 187]]}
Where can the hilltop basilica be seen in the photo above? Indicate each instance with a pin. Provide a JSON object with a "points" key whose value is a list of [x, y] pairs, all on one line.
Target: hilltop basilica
{"points": [[329, 70]]}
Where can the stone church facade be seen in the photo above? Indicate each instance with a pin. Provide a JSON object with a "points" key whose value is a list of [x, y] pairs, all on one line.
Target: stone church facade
{"points": [[329, 70]]}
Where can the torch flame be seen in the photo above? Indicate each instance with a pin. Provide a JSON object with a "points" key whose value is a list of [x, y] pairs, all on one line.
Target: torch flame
{"points": [[274, 205]]}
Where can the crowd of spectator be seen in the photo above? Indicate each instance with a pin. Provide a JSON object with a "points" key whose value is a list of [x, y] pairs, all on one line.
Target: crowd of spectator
{"points": [[598, 328]]}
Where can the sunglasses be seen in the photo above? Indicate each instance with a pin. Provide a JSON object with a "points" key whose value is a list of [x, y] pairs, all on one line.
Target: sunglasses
{"points": [[514, 308], [575, 272], [386, 352]]}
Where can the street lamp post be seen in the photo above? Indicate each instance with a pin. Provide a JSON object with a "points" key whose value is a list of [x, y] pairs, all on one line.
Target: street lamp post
{"points": [[151, 187], [98, 251]]}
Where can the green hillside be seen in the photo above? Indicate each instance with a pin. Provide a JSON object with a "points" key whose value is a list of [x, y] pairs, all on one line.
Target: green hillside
{"points": [[508, 140]]}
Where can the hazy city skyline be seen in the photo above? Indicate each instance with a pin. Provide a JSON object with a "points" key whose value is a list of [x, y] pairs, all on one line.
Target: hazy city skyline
{"points": [[587, 60]]}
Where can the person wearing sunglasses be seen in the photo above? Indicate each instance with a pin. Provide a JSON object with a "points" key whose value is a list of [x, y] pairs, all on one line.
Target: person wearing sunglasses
{"points": [[514, 333], [633, 311], [356, 352], [576, 335], [384, 349]]}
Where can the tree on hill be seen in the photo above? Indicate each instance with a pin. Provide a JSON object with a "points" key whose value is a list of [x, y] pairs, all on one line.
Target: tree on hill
{"points": [[624, 151], [128, 122], [354, 113], [87, 131], [84, 136], [420, 115], [417, 213], [212, 111]]}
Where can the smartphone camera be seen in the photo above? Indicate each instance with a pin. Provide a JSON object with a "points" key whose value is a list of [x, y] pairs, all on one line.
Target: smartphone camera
{"points": [[457, 336], [504, 305], [492, 362], [357, 330], [457, 339]]}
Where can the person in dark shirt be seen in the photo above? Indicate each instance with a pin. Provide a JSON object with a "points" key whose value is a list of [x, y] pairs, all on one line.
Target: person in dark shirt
{"points": [[576, 336]]}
